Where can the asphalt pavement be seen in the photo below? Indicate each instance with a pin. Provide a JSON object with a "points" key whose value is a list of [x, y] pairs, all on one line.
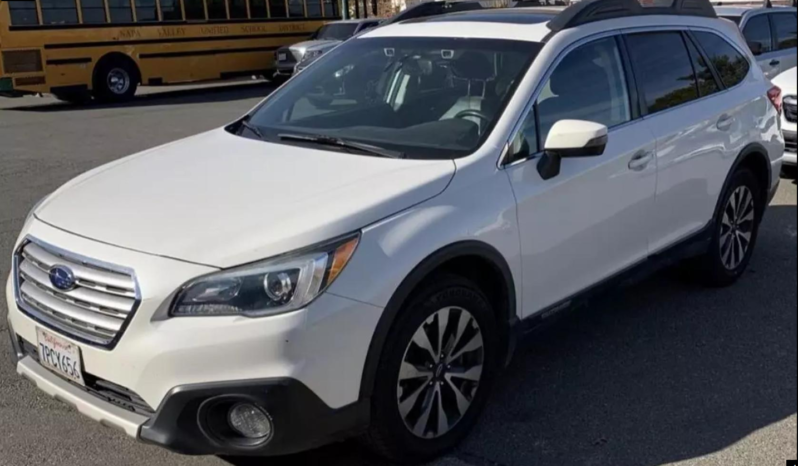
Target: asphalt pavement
{"points": [[662, 373]]}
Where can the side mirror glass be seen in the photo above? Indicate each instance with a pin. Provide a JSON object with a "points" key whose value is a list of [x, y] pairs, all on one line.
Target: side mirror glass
{"points": [[572, 138]]}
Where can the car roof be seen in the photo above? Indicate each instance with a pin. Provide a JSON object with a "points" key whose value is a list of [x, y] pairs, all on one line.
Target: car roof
{"points": [[356, 21], [499, 15], [732, 10]]}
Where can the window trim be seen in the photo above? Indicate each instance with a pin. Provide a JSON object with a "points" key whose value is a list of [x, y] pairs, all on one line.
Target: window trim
{"points": [[697, 44]]}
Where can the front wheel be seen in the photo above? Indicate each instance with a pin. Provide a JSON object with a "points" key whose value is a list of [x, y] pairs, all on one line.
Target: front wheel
{"points": [[116, 80], [736, 232], [436, 372]]}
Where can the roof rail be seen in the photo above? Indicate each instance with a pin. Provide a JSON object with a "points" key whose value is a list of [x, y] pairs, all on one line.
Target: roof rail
{"points": [[591, 11]]}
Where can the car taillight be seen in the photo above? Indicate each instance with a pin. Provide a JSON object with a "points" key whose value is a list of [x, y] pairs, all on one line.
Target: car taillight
{"points": [[776, 98]]}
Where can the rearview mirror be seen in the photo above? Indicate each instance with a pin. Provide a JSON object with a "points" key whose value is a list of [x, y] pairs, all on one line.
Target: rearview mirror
{"points": [[571, 138]]}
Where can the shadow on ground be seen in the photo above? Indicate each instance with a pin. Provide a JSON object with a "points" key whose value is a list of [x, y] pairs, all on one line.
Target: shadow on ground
{"points": [[659, 373], [198, 95]]}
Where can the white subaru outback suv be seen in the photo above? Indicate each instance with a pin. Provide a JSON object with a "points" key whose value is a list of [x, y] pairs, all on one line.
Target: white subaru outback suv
{"points": [[357, 255]]}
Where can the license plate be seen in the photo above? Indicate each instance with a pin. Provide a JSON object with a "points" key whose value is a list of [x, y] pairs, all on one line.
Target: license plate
{"points": [[60, 356], [282, 57]]}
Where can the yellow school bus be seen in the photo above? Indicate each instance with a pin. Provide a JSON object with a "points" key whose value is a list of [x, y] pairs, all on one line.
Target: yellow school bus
{"points": [[107, 48]]}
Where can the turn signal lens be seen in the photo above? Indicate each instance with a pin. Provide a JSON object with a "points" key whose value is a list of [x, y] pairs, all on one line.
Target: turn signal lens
{"points": [[775, 97]]}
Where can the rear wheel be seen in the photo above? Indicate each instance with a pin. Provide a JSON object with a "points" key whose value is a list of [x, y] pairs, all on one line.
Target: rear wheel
{"points": [[436, 372], [736, 232], [116, 80]]}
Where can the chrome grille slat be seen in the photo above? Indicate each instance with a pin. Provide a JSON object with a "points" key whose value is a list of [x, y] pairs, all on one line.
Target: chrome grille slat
{"points": [[82, 272], [95, 311], [97, 301]]}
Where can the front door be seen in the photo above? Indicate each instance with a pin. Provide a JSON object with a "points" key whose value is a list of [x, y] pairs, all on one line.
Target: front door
{"points": [[591, 221]]}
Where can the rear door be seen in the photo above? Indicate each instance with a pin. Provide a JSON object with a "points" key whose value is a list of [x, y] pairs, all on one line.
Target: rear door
{"points": [[758, 32], [785, 40], [691, 126]]}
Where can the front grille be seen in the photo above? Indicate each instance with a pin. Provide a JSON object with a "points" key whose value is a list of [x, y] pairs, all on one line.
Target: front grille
{"points": [[791, 140], [22, 61], [94, 311], [102, 389], [791, 109]]}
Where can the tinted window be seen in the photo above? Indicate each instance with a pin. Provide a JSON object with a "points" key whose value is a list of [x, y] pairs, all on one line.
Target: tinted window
{"points": [[171, 11], [146, 11], [706, 80], [238, 9], [23, 13], [217, 9], [59, 12], [589, 84], [314, 8], [731, 64], [93, 11], [758, 35], [120, 11], [663, 69], [195, 10], [257, 9], [786, 30], [429, 98], [277, 8]]}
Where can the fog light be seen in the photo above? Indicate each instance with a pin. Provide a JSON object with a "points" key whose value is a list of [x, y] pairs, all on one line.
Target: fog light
{"points": [[250, 421]]}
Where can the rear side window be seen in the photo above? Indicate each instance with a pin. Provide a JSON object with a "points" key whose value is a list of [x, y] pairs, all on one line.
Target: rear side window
{"points": [[707, 85], [786, 26], [731, 64], [759, 35], [664, 69]]}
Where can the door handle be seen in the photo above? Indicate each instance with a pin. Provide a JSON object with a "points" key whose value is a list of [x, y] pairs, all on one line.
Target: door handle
{"points": [[775, 63], [640, 161], [725, 122]]}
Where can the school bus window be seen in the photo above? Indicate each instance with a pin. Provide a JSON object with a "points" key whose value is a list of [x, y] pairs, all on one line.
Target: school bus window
{"points": [[23, 13], [257, 9], [217, 9], [330, 8], [120, 11], [171, 11], [195, 10], [93, 11], [296, 8], [238, 9], [59, 12], [314, 8], [277, 8], [146, 11]]}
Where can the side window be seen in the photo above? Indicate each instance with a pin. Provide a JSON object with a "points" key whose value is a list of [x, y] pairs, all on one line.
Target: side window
{"points": [[171, 11], [527, 141], [278, 9], [758, 35], [146, 11], [731, 64], [786, 26], [120, 11], [217, 9], [23, 13], [195, 10], [257, 9], [330, 8], [59, 12], [93, 11], [314, 8], [296, 8], [664, 69], [589, 84], [238, 9], [706, 79]]}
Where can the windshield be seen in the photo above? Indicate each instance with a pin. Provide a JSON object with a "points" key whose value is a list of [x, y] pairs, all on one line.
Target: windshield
{"points": [[431, 98], [337, 31]]}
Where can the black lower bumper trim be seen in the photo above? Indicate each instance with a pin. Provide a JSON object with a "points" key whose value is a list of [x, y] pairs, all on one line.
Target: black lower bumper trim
{"points": [[302, 421]]}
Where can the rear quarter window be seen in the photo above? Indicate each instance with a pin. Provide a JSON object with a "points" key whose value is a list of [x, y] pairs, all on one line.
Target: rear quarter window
{"points": [[786, 26], [731, 65], [759, 35]]}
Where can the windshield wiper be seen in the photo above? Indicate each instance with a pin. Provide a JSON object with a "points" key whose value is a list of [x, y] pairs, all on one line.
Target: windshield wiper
{"points": [[343, 143], [252, 128]]}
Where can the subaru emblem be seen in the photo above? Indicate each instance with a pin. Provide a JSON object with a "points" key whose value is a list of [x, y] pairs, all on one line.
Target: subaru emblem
{"points": [[63, 278]]}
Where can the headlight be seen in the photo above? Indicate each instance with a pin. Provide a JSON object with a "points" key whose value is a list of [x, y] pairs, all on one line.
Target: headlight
{"points": [[273, 286], [313, 54]]}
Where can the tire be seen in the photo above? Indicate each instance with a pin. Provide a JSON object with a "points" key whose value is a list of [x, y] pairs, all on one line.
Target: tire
{"points": [[116, 80], [735, 231], [401, 403]]}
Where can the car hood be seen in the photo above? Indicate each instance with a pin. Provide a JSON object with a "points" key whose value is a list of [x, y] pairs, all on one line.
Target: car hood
{"points": [[787, 81], [222, 200]]}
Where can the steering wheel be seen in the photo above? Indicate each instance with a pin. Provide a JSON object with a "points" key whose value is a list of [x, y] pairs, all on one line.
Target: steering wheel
{"points": [[473, 113]]}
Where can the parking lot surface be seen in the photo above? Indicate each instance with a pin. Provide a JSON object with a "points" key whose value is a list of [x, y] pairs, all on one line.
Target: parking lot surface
{"points": [[662, 373]]}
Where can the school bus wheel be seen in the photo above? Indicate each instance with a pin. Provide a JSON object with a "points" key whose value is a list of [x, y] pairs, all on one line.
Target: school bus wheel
{"points": [[116, 79]]}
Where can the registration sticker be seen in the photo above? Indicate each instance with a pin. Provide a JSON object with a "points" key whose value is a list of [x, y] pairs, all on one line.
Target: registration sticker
{"points": [[60, 356]]}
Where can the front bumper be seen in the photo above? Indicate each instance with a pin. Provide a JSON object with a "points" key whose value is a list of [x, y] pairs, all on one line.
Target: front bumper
{"points": [[308, 364]]}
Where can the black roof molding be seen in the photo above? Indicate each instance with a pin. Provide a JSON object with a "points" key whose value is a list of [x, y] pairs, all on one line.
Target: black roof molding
{"points": [[591, 11]]}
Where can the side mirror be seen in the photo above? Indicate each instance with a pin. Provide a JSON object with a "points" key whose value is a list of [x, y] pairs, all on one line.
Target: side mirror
{"points": [[571, 138]]}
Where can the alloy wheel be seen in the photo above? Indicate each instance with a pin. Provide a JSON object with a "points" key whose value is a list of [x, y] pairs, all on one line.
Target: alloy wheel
{"points": [[737, 229], [441, 373]]}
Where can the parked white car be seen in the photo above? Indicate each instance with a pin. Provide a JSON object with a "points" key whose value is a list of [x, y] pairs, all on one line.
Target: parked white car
{"points": [[788, 82], [359, 253]]}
